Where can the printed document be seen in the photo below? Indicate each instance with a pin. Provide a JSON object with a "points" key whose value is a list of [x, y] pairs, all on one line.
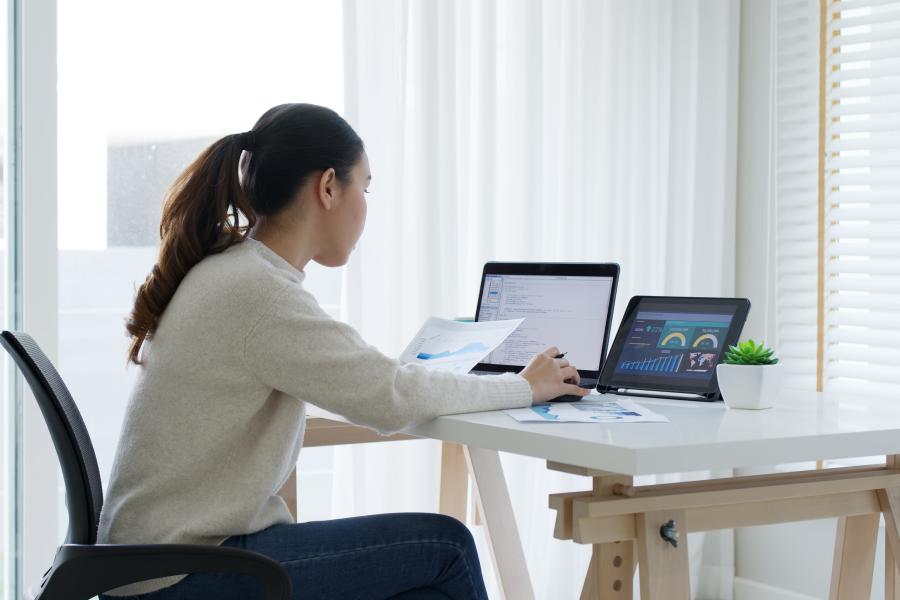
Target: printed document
{"points": [[456, 346], [592, 409]]}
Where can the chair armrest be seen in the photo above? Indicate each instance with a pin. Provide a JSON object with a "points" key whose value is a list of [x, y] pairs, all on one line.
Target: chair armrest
{"points": [[80, 572]]}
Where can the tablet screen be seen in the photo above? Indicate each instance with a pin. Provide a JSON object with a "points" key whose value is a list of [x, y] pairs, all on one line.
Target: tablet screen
{"points": [[673, 343]]}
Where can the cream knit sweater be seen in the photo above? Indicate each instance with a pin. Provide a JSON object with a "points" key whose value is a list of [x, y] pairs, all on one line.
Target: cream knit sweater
{"points": [[215, 421]]}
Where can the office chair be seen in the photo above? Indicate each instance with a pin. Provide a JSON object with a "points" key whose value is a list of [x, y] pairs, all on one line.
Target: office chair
{"points": [[82, 568]]}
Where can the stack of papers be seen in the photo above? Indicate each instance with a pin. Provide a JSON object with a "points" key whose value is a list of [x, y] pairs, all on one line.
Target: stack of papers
{"points": [[592, 409]]}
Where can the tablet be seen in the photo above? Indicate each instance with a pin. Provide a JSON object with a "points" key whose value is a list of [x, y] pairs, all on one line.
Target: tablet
{"points": [[669, 346]]}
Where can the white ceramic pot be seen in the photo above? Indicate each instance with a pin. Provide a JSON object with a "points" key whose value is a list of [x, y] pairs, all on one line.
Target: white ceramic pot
{"points": [[749, 386]]}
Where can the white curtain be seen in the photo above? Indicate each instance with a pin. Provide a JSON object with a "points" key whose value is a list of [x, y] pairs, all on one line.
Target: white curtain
{"points": [[534, 130]]}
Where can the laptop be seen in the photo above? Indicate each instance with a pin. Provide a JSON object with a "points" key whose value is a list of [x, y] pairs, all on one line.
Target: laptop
{"points": [[567, 305]]}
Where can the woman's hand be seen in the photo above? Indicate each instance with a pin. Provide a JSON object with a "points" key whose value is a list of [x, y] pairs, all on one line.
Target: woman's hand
{"points": [[550, 377]]}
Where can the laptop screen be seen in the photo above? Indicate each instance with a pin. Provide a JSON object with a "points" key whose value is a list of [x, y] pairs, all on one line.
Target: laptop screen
{"points": [[569, 312]]}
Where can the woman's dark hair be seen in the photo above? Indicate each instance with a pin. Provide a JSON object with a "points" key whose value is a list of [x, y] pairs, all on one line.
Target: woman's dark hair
{"points": [[210, 207]]}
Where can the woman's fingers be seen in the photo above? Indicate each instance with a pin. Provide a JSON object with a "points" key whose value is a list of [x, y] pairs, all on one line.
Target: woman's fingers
{"points": [[550, 376], [570, 374], [576, 390]]}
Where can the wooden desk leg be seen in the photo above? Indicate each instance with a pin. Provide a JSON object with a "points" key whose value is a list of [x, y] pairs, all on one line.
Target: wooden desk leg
{"points": [[288, 493], [889, 500], [890, 506], [665, 574], [854, 557], [610, 575], [489, 487], [454, 482], [891, 575]]}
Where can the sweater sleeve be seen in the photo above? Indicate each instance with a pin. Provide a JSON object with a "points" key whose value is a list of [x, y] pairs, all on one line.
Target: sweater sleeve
{"points": [[295, 347]]}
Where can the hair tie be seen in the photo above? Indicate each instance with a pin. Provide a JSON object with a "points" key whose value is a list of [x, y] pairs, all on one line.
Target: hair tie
{"points": [[247, 140]]}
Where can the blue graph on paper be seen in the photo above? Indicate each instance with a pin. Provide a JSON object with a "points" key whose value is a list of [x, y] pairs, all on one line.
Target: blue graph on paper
{"points": [[471, 348], [544, 411]]}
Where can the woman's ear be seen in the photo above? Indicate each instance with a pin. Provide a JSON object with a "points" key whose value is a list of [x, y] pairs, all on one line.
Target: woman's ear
{"points": [[327, 183]]}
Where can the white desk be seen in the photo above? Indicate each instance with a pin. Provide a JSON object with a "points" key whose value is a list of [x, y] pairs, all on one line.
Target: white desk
{"points": [[623, 522]]}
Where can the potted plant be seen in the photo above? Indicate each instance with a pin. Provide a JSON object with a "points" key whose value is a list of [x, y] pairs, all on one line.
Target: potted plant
{"points": [[749, 376]]}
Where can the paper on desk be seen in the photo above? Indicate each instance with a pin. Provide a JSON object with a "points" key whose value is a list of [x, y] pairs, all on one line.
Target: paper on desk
{"points": [[589, 410], [456, 346]]}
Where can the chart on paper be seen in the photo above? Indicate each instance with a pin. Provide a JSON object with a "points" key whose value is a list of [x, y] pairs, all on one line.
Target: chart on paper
{"points": [[455, 346], [470, 348], [592, 409]]}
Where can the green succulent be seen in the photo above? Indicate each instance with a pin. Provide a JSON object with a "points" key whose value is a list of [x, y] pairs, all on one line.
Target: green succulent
{"points": [[750, 353]]}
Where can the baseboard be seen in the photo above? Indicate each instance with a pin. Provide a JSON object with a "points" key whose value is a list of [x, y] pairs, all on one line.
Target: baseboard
{"points": [[748, 589], [713, 582]]}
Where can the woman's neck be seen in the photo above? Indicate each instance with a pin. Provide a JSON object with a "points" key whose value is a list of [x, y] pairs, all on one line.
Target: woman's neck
{"points": [[293, 245]]}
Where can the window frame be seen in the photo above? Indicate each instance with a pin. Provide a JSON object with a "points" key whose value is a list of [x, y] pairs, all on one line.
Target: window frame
{"points": [[32, 148]]}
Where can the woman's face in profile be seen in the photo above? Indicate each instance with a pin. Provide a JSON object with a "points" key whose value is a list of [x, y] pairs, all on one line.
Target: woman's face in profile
{"points": [[344, 224]]}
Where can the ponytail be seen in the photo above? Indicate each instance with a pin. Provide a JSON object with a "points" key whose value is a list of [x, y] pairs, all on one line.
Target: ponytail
{"points": [[201, 216], [210, 208]]}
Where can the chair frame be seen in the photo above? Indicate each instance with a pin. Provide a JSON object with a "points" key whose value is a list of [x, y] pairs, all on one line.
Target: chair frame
{"points": [[82, 569]]}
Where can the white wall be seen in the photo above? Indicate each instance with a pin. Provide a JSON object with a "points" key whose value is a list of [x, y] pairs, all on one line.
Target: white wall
{"points": [[792, 561], [754, 244]]}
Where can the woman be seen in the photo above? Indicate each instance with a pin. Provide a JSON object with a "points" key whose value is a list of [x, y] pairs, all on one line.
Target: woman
{"points": [[231, 347]]}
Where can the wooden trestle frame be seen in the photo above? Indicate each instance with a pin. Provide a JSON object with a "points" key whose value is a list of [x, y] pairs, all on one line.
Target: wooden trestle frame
{"points": [[622, 522]]}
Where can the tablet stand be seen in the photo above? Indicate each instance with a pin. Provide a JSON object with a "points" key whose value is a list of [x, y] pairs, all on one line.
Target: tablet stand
{"points": [[710, 397]]}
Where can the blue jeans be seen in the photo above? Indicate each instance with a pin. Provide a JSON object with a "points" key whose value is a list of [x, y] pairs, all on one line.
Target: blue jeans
{"points": [[398, 556]]}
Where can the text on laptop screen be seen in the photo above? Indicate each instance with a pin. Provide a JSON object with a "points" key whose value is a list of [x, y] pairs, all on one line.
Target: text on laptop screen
{"points": [[673, 346], [568, 312]]}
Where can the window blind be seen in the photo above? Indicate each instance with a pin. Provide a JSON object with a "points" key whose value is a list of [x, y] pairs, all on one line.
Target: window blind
{"points": [[862, 196], [796, 169]]}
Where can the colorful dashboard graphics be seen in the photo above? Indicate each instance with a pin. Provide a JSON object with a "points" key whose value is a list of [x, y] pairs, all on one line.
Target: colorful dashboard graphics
{"points": [[686, 334], [680, 345], [701, 362], [660, 364]]}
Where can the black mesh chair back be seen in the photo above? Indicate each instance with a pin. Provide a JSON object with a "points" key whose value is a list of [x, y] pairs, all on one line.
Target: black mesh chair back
{"points": [[82, 569], [84, 491]]}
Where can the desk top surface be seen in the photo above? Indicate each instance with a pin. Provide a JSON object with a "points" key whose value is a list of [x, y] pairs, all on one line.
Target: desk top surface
{"points": [[802, 426]]}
